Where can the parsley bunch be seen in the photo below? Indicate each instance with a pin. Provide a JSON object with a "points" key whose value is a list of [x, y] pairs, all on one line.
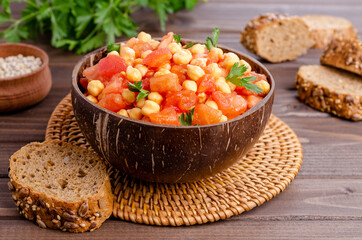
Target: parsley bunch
{"points": [[82, 25]]}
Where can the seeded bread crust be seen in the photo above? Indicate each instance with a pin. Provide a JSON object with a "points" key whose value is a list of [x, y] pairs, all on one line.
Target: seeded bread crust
{"points": [[82, 215], [344, 54], [320, 97], [325, 28], [250, 36]]}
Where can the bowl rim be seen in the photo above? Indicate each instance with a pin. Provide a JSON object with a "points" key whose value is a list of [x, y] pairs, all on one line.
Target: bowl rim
{"points": [[45, 61], [159, 125]]}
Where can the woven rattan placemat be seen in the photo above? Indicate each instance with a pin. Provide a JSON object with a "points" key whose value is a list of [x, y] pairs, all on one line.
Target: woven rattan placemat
{"points": [[262, 174]]}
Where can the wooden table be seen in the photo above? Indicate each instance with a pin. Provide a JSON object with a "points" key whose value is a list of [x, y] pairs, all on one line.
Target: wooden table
{"points": [[323, 202]]}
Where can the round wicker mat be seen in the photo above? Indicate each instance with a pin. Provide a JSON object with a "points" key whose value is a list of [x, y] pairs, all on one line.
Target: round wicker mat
{"points": [[262, 174]]}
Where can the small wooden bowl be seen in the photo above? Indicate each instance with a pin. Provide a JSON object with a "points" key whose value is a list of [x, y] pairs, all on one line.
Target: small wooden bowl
{"points": [[167, 153], [25, 90]]}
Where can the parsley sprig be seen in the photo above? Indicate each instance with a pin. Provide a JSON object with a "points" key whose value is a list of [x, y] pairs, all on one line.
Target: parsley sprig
{"points": [[113, 47], [78, 25], [189, 45], [212, 41], [186, 119], [137, 87], [235, 76], [177, 38]]}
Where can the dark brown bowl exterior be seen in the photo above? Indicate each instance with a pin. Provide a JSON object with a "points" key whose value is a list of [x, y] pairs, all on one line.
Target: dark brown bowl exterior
{"points": [[28, 89], [166, 153]]}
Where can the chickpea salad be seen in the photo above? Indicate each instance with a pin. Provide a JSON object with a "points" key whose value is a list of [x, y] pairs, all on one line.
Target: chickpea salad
{"points": [[167, 82]]}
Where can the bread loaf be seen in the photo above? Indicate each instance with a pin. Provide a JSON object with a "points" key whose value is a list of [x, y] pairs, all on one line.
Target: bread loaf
{"points": [[344, 54], [276, 37], [60, 186], [331, 90], [324, 28]]}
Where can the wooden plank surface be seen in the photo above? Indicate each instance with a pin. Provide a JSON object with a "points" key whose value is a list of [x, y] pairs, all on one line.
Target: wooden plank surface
{"points": [[325, 200]]}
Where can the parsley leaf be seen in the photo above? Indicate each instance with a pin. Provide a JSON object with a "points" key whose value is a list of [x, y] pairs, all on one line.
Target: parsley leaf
{"points": [[186, 119], [212, 41], [177, 38], [113, 47], [137, 87], [235, 77], [189, 45]]}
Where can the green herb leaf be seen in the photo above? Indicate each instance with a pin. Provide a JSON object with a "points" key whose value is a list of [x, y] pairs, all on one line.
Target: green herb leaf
{"points": [[186, 119], [113, 47], [137, 87], [177, 38], [235, 77], [189, 45], [212, 42]]}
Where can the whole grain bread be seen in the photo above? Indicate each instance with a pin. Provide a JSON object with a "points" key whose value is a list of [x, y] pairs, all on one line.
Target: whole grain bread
{"points": [[331, 90], [60, 186], [325, 28], [276, 37], [344, 54]]}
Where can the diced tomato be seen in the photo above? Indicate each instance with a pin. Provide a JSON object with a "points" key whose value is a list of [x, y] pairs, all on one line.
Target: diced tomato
{"points": [[180, 71], [140, 47], [166, 116], [166, 40], [212, 57], [91, 73], [113, 102], [165, 83], [199, 55], [145, 118], [232, 105], [111, 65], [131, 42], [204, 115], [158, 57], [83, 82], [224, 72], [253, 100], [146, 83], [243, 91], [120, 78], [183, 100], [114, 86], [206, 84]]}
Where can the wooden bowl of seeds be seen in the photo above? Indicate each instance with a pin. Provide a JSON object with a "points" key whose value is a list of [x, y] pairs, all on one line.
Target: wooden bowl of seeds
{"points": [[25, 77]]}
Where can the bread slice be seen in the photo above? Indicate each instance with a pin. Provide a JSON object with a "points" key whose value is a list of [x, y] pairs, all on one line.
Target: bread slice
{"points": [[344, 54], [60, 186], [324, 28], [331, 90], [276, 37]]}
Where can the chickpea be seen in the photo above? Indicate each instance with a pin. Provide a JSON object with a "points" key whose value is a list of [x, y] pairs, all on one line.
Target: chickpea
{"points": [[195, 72], [95, 87], [162, 72], [144, 37], [133, 74], [128, 95], [145, 54], [123, 112], [140, 103], [229, 60], [218, 51], [154, 44], [92, 99], [212, 104], [189, 85], [202, 97], [243, 62], [182, 57], [166, 66], [174, 47], [201, 62], [197, 48], [113, 53], [222, 86], [150, 107], [156, 97], [214, 69], [223, 118], [138, 61], [232, 86], [128, 54], [142, 68], [135, 113], [264, 85]]}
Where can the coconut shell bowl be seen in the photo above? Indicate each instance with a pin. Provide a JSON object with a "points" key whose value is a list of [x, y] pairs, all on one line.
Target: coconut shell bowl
{"points": [[167, 153], [25, 90]]}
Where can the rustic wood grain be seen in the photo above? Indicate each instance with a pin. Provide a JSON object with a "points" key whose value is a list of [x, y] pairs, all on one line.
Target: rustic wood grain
{"points": [[323, 202]]}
